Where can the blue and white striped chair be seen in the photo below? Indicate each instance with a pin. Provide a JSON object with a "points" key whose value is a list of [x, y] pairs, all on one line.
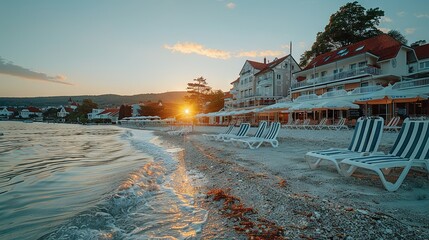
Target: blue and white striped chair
{"points": [[213, 136], [411, 148], [242, 131], [365, 141], [254, 142], [258, 133]]}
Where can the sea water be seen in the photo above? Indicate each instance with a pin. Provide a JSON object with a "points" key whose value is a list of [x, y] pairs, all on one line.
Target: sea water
{"points": [[60, 181]]}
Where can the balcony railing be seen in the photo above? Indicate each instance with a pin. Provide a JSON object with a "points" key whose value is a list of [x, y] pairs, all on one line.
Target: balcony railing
{"points": [[265, 82], [411, 84], [367, 89], [338, 77]]}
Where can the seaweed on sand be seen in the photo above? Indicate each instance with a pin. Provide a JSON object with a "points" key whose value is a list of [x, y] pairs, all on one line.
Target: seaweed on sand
{"points": [[244, 217]]}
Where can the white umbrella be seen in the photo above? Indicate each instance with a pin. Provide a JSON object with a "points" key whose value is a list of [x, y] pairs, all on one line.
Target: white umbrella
{"points": [[336, 104]]}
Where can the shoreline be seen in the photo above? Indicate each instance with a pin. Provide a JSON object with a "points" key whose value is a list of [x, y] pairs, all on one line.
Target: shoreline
{"points": [[278, 184]]}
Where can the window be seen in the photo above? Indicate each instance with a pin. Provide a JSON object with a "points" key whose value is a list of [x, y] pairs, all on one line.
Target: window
{"points": [[327, 58], [343, 52], [329, 89], [394, 63], [340, 87], [316, 75], [362, 64], [285, 66], [323, 73], [364, 84], [359, 48], [279, 76], [353, 66], [424, 65]]}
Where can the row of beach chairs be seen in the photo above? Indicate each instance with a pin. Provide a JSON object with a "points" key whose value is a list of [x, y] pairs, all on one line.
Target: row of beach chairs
{"points": [[240, 138], [305, 124], [411, 149]]}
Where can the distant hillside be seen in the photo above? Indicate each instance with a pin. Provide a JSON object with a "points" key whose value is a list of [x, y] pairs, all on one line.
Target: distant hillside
{"points": [[106, 100]]}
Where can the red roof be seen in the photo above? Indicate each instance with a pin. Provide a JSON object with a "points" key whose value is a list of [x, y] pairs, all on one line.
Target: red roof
{"points": [[68, 109], [227, 95], [272, 64], [422, 51], [257, 65], [33, 109], [383, 46], [110, 111]]}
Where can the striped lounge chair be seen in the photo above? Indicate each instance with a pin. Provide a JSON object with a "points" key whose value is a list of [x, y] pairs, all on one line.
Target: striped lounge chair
{"points": [[214, 136], [366, 139], [411, 148], [242, 131], [254, 142], [258, 133]]}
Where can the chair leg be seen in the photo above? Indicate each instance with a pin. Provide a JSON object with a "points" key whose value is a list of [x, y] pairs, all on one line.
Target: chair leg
{"points": [[348, 172], [313, 165], [391, 187]]}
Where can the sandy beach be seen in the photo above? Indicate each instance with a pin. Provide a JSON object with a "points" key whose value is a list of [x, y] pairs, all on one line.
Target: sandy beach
{"points": [[280, 197]]}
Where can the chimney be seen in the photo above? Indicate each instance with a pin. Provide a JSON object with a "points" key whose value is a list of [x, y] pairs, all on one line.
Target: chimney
{"points": [[265, 60]]}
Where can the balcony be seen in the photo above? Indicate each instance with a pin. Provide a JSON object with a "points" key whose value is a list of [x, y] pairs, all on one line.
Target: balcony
{"points": [[338, 77], [417, 83], [265, 82]]}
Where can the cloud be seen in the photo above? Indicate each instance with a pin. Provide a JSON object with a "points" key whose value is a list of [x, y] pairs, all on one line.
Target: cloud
{"points": [[384, 30], [231, 5], [422, 15], [196, 48], [386, 19], [265, 53], [401, 14], [409, 30], [8, 68], [302, 44], [188, 48]]}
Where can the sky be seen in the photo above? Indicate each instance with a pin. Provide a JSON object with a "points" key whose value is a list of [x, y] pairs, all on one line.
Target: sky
{"points": [[91, 47]]}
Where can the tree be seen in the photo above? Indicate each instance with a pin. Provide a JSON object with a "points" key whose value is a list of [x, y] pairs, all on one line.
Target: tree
{"points": [[398, 36], [215, 101], [51, 113], [351, 23], [197, 91], [418, 43], [124, 111], [81, 113]]}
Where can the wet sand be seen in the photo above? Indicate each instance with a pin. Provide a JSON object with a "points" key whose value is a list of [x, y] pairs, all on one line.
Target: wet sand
{"points": [[278, 185]]}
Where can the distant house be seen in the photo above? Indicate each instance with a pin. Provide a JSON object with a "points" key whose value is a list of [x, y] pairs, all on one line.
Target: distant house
{"points": [[29, 112], [64, 111], [7, 112], [72, 104], [94, 114], [109, 113]]}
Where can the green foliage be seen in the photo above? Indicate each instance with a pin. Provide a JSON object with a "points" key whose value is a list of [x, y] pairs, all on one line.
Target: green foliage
{"points": [[124, 111], [351, 23], [51, 113], [197, 93], [81, 113], [215, 100], [418, 43], [398, 36], [153, 110]]}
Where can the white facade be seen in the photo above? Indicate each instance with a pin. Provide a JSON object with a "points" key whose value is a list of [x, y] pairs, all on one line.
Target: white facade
{"points": [[135, 108], [5, 112], [94, 113]]}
